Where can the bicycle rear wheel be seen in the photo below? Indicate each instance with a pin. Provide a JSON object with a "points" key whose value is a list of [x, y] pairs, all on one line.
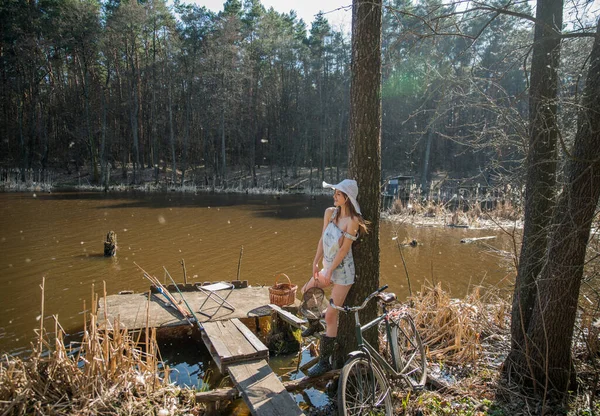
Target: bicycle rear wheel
{"points": [[362, 390], [408, 351]]}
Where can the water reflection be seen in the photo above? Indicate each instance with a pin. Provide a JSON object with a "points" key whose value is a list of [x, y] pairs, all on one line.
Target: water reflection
{"points": [[190, 363]]}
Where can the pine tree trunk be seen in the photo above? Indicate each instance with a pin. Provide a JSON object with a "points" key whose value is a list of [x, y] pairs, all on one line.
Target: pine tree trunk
{"points": [[103, 158], [172, 136], [425, 170], [134, 118]]}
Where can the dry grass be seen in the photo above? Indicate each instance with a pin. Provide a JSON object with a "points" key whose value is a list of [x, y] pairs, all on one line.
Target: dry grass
{"points": [[507, 211], [108, 372], [453, 329], [465, 339], [466, 342], [473, 216]]}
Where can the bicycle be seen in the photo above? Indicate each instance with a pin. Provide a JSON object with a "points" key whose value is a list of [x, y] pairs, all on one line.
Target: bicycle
{"points": [[362, 387]]}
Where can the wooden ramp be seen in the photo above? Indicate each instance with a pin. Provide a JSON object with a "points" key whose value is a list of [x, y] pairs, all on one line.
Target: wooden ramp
{"points": [[235, 349], [230, 342], [262, 391]]}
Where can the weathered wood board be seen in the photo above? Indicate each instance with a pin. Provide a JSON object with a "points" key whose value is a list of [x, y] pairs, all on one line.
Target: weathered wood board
{"points": [[131, 308], [232, 342], [262, 391], [289, 317]]}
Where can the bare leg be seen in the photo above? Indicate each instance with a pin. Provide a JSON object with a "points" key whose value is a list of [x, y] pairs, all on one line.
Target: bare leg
{"points": [[338, 294]]}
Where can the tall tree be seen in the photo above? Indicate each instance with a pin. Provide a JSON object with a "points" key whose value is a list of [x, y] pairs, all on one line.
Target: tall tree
{"points": [[80, 30], [365, 156], [541, 176], [550, 332], [318, 44], [254, 64]]}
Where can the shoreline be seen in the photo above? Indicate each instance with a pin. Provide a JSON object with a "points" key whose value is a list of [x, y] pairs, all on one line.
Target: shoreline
{"points": [[415, 213]]}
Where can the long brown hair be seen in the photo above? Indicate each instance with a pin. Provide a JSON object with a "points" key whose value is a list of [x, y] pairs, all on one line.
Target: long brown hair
{"points": [[362, 223]]}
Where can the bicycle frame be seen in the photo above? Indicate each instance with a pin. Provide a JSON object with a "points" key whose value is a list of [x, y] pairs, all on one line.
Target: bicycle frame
{"points": [[372, 352], [377, 366]]}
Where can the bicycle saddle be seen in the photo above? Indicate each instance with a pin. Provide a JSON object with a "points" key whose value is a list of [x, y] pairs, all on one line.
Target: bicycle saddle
{"points": [[387, 297]]}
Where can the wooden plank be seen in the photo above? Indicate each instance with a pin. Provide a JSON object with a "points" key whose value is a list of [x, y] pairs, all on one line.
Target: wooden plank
{"points": [[290, 318], [250, 337], [213, 354], [235, 340], [262, 391], [212, 331], [227, 339], [232, 342]]}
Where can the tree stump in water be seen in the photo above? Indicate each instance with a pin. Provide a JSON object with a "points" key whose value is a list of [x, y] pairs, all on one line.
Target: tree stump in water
{"points": [[284, 339], [110, 245]]}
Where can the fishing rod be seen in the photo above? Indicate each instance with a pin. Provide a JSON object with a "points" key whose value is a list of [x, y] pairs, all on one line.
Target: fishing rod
{"points": [[172, 301], [184, 301], [159, 289], [165, 292], [158, 286]]}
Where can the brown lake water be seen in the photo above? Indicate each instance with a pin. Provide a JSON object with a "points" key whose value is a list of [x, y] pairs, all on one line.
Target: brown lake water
{"points": [[60, 236]]}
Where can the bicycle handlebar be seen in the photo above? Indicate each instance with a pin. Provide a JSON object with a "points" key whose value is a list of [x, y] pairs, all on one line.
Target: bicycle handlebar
{"points": [[357, 308]]}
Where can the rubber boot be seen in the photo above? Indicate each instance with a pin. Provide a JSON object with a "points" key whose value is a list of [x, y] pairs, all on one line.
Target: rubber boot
{"points": [[327, 345], [314, 326]]}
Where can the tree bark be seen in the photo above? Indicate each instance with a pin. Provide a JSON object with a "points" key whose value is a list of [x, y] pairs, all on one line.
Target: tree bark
{"points": [[134, 112], [365, 159], [552, 322], [172, 135], [540, 177], [103, 158], [223, 153], [153, 109], [186, 128], [91, 143], [425, 170]]}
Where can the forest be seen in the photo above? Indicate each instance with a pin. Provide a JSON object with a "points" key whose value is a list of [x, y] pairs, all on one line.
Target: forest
{"points": [[503, 93], [208, 97]]}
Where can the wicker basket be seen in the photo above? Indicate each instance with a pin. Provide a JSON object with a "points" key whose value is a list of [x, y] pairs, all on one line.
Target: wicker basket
{"points": [[282, 294]]}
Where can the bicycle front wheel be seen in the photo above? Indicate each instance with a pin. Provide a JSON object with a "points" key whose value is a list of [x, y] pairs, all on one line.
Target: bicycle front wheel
{"points": [[362, 390], [409, 353]]}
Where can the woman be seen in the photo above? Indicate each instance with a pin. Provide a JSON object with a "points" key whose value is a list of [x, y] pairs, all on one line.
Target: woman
{"points": [[341, 226]]}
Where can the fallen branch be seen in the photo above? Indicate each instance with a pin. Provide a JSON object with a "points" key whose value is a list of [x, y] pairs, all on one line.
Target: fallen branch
{"points": [[232, 393], [292, 385], [471, 240]]}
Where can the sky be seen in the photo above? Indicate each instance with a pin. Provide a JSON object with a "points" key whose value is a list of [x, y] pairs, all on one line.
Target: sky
{"points": [[337, 12]]}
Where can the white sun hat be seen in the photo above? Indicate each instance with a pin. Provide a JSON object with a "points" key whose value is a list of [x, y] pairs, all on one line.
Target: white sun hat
{"points": [[350, 188]]}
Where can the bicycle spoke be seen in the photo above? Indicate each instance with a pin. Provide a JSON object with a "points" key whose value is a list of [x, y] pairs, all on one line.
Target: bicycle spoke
{"points": [[363, 390], [411, 361]]}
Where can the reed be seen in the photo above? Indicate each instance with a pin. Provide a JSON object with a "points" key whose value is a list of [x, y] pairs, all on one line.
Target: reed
{"points": [[453, 329], [471, 214], [107, 372]]}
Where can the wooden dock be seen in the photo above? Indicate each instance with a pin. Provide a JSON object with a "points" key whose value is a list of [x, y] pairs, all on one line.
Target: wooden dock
{"points": [[233, 347], [130, 309]]}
